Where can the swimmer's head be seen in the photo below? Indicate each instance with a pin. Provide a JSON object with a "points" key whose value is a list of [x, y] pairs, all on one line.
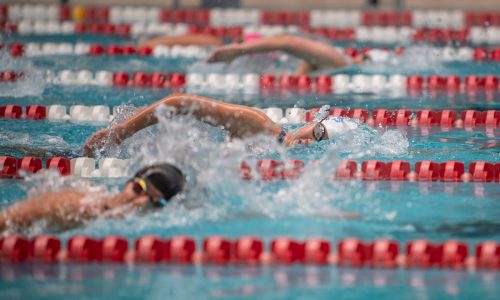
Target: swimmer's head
{"points": [[318, 131], [372, 55], [158, 182]]}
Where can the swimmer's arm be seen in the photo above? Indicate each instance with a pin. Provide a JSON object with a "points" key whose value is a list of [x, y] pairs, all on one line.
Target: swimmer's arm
{"points": [[64, 209], [239, 120], [304, 68], [315, 53], [184, 40], [24, 213]]}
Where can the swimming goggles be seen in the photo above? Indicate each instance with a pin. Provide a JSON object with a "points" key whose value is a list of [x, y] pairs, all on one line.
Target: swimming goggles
{"points": [[319, 130], [281, 136], [140, 186]]}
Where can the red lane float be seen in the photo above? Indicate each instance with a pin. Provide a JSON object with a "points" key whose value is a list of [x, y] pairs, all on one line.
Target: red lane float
{"points": [[427, 170], [12, 111], [150, 249], [144, 80], [287, 251], [447, 118], [398, 170], [14, 249], [10, 76], [347, 170], [30, 164], [62, 164], [248, 250], [180, 249], [453, 255], [83, 249], [317, 251], [403, 117], [216, 250], [269, 169], [383, 117], [421, 254], [45, 248], [36, 112], [488, 255], [114, 249], [352, 252], [482, 171], [374, 170], [383, 254], [10, 166], [450, 171]]}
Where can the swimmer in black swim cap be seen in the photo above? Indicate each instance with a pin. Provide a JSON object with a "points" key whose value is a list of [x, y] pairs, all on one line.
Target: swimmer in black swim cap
{"points": [[159, 182], [152, 186]]}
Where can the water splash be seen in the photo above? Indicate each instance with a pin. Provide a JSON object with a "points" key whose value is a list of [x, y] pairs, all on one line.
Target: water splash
{"points": [[259, 63], [215, 190], [33, 82], [43, 145], [416, 59]]}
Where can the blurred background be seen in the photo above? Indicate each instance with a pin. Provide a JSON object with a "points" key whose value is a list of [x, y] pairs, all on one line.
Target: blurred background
{"points": [[291, 4]]}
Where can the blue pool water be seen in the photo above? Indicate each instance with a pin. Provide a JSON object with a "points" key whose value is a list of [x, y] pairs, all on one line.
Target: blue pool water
{"points": [[222, 204]]}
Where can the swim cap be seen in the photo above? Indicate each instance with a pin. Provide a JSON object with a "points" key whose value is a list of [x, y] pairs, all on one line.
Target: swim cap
{"points": [[251, 37], [337, 125], [166, 178], [378, 55]]}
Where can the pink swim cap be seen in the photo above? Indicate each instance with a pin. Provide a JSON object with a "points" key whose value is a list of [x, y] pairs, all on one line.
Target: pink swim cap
{"points": [[251, 37]]}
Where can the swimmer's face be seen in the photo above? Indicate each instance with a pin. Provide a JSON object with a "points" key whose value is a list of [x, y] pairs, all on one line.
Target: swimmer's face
{"points": [[138, 196], [308, 134], [360, 58]]}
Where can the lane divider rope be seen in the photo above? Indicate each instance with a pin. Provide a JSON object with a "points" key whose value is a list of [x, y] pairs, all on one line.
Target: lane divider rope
{"points": [[245, 16], [249, 250], [390, 34], [269, 169], [251, 82], [469, 119], [47, 49]]}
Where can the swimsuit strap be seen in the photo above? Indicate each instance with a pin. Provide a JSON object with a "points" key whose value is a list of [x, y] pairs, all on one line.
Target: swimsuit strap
{"points": [[281, 136]]}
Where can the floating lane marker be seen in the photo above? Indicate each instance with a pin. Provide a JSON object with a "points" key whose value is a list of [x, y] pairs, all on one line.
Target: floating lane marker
{"points": [[251, 82], [268, 169], [245, 16], [48, 49], [425, 118], [250, 250]]}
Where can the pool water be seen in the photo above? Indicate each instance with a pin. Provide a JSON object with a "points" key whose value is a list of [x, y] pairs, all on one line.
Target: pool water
{"points": [[222, 204]]}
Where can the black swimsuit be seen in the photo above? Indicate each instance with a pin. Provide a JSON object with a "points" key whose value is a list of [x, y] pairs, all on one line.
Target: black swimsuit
{"points": [[281, 136]]}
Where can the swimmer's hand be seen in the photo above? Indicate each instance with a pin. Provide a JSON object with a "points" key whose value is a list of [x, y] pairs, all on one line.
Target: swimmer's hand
{"points": [[226, 53], [100, 139]]}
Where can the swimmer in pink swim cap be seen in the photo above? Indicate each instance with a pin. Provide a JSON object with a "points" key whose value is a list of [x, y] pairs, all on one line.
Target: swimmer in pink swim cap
{"points": [[315, 55], [194, 39]]}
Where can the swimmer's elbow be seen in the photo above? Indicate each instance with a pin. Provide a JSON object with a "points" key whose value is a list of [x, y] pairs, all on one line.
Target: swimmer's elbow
{"points": [[285, 42]]}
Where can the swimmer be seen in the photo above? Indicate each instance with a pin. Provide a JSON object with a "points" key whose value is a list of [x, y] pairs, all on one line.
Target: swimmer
{"points": [[184, 40], [150, 187], [316, 55], [239, 120]]}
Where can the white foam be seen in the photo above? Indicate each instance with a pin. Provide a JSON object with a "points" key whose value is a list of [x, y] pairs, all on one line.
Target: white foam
{"points": [[33, 83]]}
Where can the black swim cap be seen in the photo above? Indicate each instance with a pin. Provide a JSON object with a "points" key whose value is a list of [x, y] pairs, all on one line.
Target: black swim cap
{"points": [[166, 178]]}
